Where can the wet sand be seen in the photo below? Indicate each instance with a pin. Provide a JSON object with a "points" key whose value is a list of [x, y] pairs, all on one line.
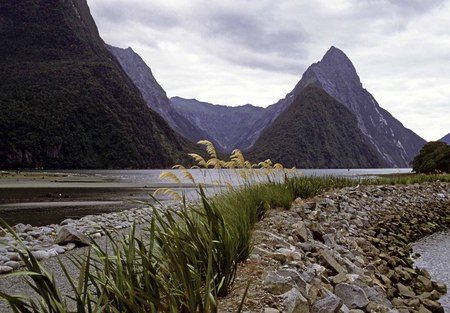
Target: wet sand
{"points": [[42, 198]]}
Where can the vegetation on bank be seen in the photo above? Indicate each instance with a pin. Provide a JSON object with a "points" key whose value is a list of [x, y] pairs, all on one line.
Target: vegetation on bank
{"points": [[182, 260], [433, 157]]}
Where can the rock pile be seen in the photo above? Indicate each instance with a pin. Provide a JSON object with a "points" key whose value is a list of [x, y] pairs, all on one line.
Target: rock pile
{"points": [[347, 251]]}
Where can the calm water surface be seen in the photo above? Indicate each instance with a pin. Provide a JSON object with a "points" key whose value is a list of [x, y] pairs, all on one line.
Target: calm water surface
{"points": [[434, 253], [114, 190]]}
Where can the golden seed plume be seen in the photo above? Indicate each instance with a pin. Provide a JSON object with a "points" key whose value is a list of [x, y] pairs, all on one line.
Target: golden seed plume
{"points": [[168, 192], [199, 159], [209, 148], [171, 176]]}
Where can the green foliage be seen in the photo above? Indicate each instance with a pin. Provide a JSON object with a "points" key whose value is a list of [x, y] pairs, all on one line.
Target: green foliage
{"points": [[316, 131], [64, 100], [433, 157]]}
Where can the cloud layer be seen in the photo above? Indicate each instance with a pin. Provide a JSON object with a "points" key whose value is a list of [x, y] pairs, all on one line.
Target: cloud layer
{"points": [[254, 51]]}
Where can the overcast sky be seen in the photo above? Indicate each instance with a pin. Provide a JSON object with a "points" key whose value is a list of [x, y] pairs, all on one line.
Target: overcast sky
{"points": [[254, 51]]}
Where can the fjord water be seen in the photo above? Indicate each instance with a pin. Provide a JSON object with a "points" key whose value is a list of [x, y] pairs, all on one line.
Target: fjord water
{"points": [[85, 192], [434, 253]]}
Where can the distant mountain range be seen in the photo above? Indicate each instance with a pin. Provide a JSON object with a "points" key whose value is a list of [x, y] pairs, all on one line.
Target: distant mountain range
{"points": [[65, 101], [243, 127], [446, 139]]}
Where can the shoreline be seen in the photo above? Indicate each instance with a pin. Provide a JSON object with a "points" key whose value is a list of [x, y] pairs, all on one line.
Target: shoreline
{"points": [[344, 223], [41, 198], [347, 249]]}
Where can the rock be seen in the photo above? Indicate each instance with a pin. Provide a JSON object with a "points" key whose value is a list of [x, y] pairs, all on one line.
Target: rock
{"points": [[440, 287], [282, 258], [313, 271], [40, 254], [67, 221], [298, 281], [352, 296], [317, 231], [433, 306], [271, 310], [70, 235], [422, 309], [22, 228], [330, 262], [405, 291], [301, 231], [13, 256], [13, 264], [5, 269], [70, 246], [426, 282], [294, 302], [58, 249], [329, 304], [339, 278], [277, 285]]}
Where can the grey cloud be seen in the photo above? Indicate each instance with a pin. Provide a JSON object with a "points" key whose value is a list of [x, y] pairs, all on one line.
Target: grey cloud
{"points": [[150, 15], [416, 6]]}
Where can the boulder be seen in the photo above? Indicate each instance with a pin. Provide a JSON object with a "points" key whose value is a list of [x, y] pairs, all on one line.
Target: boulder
{"points": [[5, 269], [70, 235], [352, 296], [294, 302], [404, 291], [22, 228], [329, 304], [301, 231], [293, 276], [276, 284], [330, 262]]}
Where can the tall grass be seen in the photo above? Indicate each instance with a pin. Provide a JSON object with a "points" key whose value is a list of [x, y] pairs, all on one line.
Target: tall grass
{"points": [[181, 260]]}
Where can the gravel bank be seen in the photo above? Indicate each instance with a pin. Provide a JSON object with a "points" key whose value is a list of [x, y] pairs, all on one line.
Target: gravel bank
{"points": [[345, 251]]}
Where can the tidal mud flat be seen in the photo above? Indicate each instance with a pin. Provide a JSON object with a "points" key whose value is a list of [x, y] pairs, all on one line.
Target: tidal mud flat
{"points": [[43, 198], [344, 251]]}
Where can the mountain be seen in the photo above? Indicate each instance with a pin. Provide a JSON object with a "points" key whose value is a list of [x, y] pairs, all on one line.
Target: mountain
{"points": [[315, 131], [153, 94], [336, 75], [446, 139], [223, 125], [65, 102]]}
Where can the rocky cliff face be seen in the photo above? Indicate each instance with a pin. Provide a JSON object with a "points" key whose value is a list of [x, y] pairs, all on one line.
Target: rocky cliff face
{"points": [[446, 139], [153, 94], [337, 76], [315, 131], [225, 126], [65, 102]]}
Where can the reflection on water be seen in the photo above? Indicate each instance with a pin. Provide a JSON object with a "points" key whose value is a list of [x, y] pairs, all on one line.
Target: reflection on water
{"points": [[434, 253]]}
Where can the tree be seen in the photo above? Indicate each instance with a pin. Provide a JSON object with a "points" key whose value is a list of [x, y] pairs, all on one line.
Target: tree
{"points": [[434, 156]]}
